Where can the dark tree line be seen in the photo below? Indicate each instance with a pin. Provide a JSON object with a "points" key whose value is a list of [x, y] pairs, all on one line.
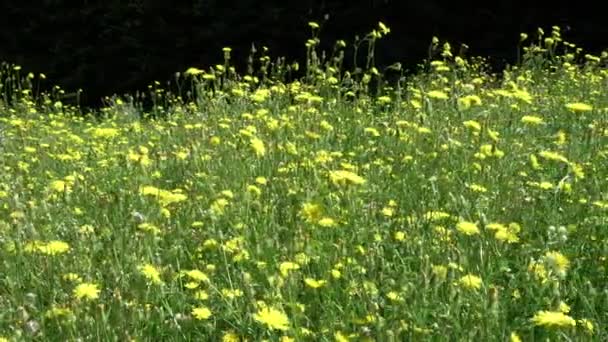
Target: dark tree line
{"points": [[118, 46]]}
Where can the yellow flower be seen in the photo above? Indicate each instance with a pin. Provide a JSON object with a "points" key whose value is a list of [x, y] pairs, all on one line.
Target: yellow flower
{"points": [[552, 319], [339, 337], [311, 212], [57, 312], [399, 236], [327, 222], [514, 337], [440, 272], [60, 186], [193, 71], [473, 125], [272, 318], [287, 266], [258, 146], [313, 283], [557, 262], [587, 325], [470, 281], [579, 107], [53, 247], [201, 313], [105, 132], [230, 336], [86, 291], [467, 228], [343, 177], [532, 120], [151, 273], [438, 94], [197, 276]]}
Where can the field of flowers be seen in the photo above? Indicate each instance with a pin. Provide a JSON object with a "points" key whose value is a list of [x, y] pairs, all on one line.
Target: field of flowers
{"points": [[453, 205]]}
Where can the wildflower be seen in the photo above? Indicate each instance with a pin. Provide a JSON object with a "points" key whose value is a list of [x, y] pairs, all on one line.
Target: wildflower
{"points": [[388, 211], [197, 276], [470, 281], [440, 272], [394, 296], [473, 125], [468, 101], [218, 206], [336, 274], [339, 337], [193, 71], [315, 284], [532, 120], [287, 266], [514, 337], [557, 262], [552, 319], [327, 222], [579, 107], [343, 177], [55, 247], [587, 325], [467, 228], [58, 312], [258, 146], [201, 313], [399, 236], [311, 212], [230, 336], [550, 155], [261, 180], [59, 186], [272, 318], [86, 291], [438, 94], [383, 28], [201, 295], [105, 132], [151, 273]]}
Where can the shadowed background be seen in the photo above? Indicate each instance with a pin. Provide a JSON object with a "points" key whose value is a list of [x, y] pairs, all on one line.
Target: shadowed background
{"points": [[107, 47]]}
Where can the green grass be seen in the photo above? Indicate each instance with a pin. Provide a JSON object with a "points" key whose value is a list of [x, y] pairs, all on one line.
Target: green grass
{"points": [[454, 205]]}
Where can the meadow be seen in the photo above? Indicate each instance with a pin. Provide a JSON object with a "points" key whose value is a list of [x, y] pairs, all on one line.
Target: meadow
{"points": [[452, 205]]}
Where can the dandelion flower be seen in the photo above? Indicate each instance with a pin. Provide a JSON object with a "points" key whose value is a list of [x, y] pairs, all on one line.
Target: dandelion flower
{"points": [[438, 94], [54, 247], [327, 222], [514, 337], [440, 272], [151, 273], [272, 318], [557, 262], [553, 319], [193, 71], [201, 313], [315, 284], [287, 266], [230, 336], [532, 120], [311, 212], [87, 291], [470, 281], [467, 228], [343, 177], [258, 146], [579, 107], [587, 325]]}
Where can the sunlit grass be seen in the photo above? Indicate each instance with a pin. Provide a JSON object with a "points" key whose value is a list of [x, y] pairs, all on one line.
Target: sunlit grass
{"points": [[452, 205]]}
